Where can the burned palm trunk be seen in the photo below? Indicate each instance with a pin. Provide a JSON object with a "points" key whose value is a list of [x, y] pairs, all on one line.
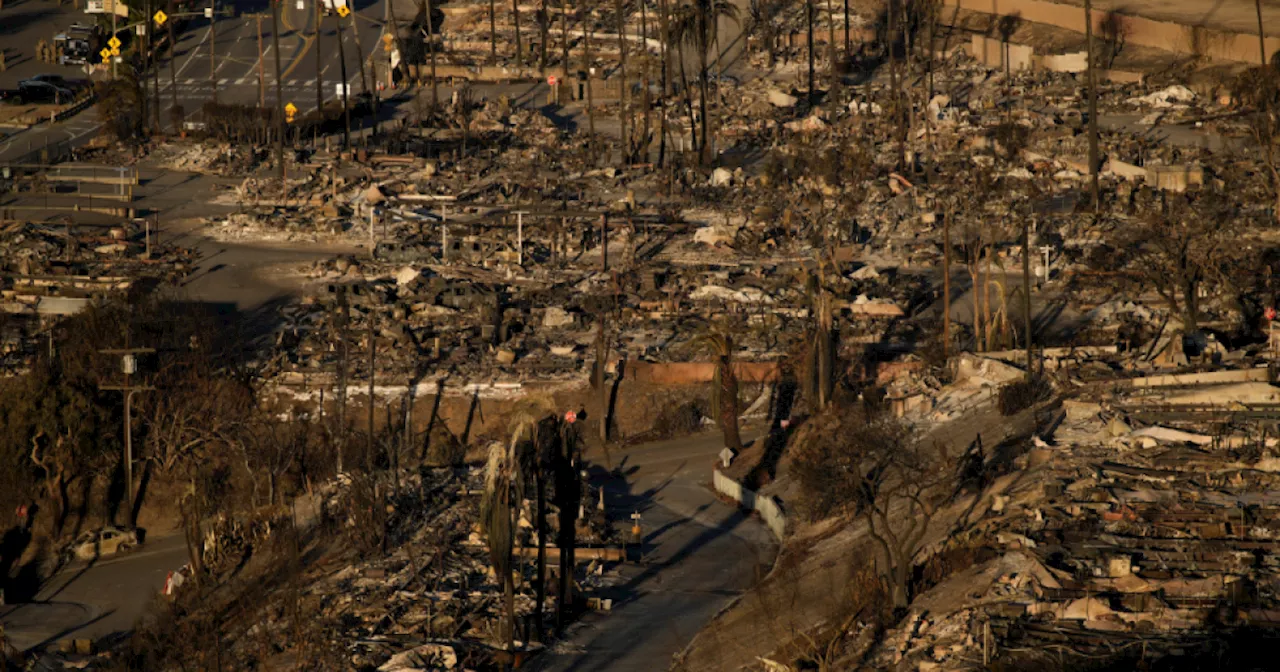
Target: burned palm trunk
{"points": [[568, 497]]}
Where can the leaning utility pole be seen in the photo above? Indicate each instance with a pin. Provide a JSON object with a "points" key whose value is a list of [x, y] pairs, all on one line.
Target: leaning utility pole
{"points": [[1093, 106], [129, 365], [275, 44]]}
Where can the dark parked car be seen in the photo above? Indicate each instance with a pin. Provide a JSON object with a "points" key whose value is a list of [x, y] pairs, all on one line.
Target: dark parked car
{"points": [[73, 85], [30, 91]]}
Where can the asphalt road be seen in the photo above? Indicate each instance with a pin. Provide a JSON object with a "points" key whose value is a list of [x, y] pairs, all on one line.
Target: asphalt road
{"points": [[243, 74], [97, 599]]}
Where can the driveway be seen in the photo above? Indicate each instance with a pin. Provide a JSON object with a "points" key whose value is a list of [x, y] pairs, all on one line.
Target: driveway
{"points": [[699, 554]]}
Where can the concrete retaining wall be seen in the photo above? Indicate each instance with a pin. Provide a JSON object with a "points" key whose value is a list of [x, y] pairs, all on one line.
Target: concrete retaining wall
{"points": [[697, 373], [1174, 37], [769, 508]]}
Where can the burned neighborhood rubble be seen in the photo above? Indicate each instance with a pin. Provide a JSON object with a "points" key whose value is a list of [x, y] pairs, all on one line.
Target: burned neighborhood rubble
{"points": [[53, 269], [932, 338]]}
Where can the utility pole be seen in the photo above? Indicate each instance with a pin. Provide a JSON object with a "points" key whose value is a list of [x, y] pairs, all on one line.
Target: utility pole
{"points": [[114, 30], [431, 42], [213, 48], [319, 66], [600, 345], [346, 108], [343, 315], [173, 75], [262, 80], [1262, 36], [368, 456], [129, 365], [586, 66], [275, 44], [1026, 290], [946, 285], [364, 81], [808, 7], [623, 91], [1093, 107]]}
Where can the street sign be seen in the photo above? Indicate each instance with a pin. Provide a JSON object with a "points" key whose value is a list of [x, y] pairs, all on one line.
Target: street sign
{"points": [[114, 42], [343, 11], [341, 89], [141, 29], [105, 54], [160, 17], [289, 111], [208, 12], [551, 81], [115, 51], [301, 5], [570, 417]]}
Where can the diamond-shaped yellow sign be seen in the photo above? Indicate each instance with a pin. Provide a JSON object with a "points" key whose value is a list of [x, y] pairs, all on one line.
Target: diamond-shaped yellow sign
{"points": [[114, 42], [343, 11], [160, 17], [105, 54], [290, 109], [115, 51]]}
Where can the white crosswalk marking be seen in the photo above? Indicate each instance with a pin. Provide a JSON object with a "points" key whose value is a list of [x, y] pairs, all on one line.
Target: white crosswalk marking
{"points": [[222, 81], [293, 82]]}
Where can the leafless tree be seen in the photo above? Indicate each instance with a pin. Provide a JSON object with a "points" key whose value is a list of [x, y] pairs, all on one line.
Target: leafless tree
{"points": [[1185, 243]]}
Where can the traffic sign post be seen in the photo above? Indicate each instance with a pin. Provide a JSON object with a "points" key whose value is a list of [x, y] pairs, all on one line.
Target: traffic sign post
{"points": [[160, 17], [343, 11], [290, 111], [114, 42]]}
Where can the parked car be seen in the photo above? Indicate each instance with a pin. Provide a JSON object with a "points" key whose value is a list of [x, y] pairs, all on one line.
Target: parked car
{"points": [[42, 92], [73, 85], [106, 541]]}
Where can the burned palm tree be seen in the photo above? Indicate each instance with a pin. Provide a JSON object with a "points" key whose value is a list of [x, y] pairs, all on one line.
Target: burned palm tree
{"points": [[697, 24], [724, 387], [536, 433], [499, 512], [820, 359]]}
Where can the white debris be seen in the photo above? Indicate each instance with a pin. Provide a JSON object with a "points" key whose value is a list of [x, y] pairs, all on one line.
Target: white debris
{"points": [[1171, 96]]}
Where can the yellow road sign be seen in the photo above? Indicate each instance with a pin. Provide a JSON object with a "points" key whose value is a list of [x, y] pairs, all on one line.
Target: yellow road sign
{"points": [[105, 54], [160, 17], [115, 51], [114, 42], [289, 111], [343, 11]]}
